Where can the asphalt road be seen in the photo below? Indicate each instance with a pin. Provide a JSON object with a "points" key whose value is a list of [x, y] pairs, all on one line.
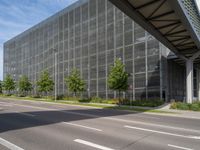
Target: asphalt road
{"points": [[26, 125]]}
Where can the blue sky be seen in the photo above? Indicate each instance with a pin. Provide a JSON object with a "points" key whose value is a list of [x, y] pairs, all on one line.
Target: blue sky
{"points": [[19, 15]]}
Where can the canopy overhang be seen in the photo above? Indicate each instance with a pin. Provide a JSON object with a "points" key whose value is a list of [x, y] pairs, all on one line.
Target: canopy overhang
{"points": [[175, 23]]}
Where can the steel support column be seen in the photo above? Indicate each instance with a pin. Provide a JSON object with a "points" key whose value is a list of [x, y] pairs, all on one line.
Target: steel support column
{"points": [[189, 81]]}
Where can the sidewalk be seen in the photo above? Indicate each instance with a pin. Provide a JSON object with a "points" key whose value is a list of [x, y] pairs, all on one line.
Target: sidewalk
{"points": [[180, 113], [165, 107]]}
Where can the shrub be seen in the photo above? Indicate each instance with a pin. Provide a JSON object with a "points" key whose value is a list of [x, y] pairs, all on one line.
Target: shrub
{"points": [[36, 96], [182, 106], [125, 102], [195, 107], [148, 103], [88, 100], [71, 98], [173, 105], [198, 103], [60, 97], [111, 101], [96, 100], [21, 95]]}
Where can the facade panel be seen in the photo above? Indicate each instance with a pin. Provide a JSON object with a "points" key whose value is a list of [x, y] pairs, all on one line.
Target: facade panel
{"points": [[89, 36]]}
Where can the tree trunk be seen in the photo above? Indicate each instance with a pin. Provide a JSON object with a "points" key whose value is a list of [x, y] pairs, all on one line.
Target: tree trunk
{"points": [[46, 93], [119, 94], [75, 94]]}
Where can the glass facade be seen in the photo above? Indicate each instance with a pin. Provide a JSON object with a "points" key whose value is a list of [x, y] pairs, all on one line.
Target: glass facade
{"points": [[89, 35]]}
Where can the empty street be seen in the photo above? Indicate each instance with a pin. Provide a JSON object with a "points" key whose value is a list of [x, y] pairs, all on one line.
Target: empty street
{"points": [[27, 125]]}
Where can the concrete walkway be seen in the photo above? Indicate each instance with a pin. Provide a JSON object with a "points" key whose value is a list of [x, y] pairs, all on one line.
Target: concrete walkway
{"points": [[164, 107], [180, 113]]}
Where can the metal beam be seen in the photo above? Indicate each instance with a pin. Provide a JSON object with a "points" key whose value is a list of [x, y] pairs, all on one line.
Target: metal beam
{"points": [[180, 12], [187, 37], [147, 4], [156, 9], [195, 55], [168, 25], [169, 34], [161, 15]]}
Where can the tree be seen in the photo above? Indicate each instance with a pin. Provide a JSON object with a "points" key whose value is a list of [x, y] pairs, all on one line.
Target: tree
{"points": [[1, 87], [45, 83], [24, 85], [74, 82], [118, 77], [9, 84]]}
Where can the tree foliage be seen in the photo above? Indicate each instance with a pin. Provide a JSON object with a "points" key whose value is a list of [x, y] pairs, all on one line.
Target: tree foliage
{"points": [[118, 77], [24, 85], [74, 82], [1, 87], [9, 84], [45, 83]]}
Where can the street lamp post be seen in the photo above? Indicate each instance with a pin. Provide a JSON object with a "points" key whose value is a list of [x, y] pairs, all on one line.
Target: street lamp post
{"points": [[55, 72], [131, 88]]}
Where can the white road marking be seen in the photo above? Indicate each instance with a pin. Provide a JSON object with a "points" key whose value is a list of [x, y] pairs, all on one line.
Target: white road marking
{"points": [[92, 144], [78, 125], [179, 147], [143, 116], [5, 104], [36, 107], [9, 145], [161, 132], [25, 114], [152, 124]]}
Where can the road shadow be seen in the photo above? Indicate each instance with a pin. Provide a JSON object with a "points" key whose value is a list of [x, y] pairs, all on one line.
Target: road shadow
{"points": [[14, 121]]}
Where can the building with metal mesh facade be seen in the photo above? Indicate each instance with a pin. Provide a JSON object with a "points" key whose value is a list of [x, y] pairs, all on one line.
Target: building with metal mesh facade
{"points": [[89, 35]]}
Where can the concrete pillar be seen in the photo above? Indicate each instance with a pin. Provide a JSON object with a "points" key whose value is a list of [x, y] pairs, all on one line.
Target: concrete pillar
{"points": [[189, 81], [198, 84]]}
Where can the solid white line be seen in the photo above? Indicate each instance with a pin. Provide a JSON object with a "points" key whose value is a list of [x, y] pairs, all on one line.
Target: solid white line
{"points": [[5, 105], [179, 147], [9, 145], [36, 107], [92, 144], [78, 125], [152, 124], [160, 132]]}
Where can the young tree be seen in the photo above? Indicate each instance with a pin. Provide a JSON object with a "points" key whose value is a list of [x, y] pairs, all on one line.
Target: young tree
{"points": [[45, 83], [74, 82], [1, 87], [118, 77], [24, 85], [9, 84]]}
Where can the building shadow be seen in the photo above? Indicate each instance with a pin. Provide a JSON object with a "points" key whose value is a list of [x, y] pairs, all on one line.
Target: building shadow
{"points": [[15, 121]]}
